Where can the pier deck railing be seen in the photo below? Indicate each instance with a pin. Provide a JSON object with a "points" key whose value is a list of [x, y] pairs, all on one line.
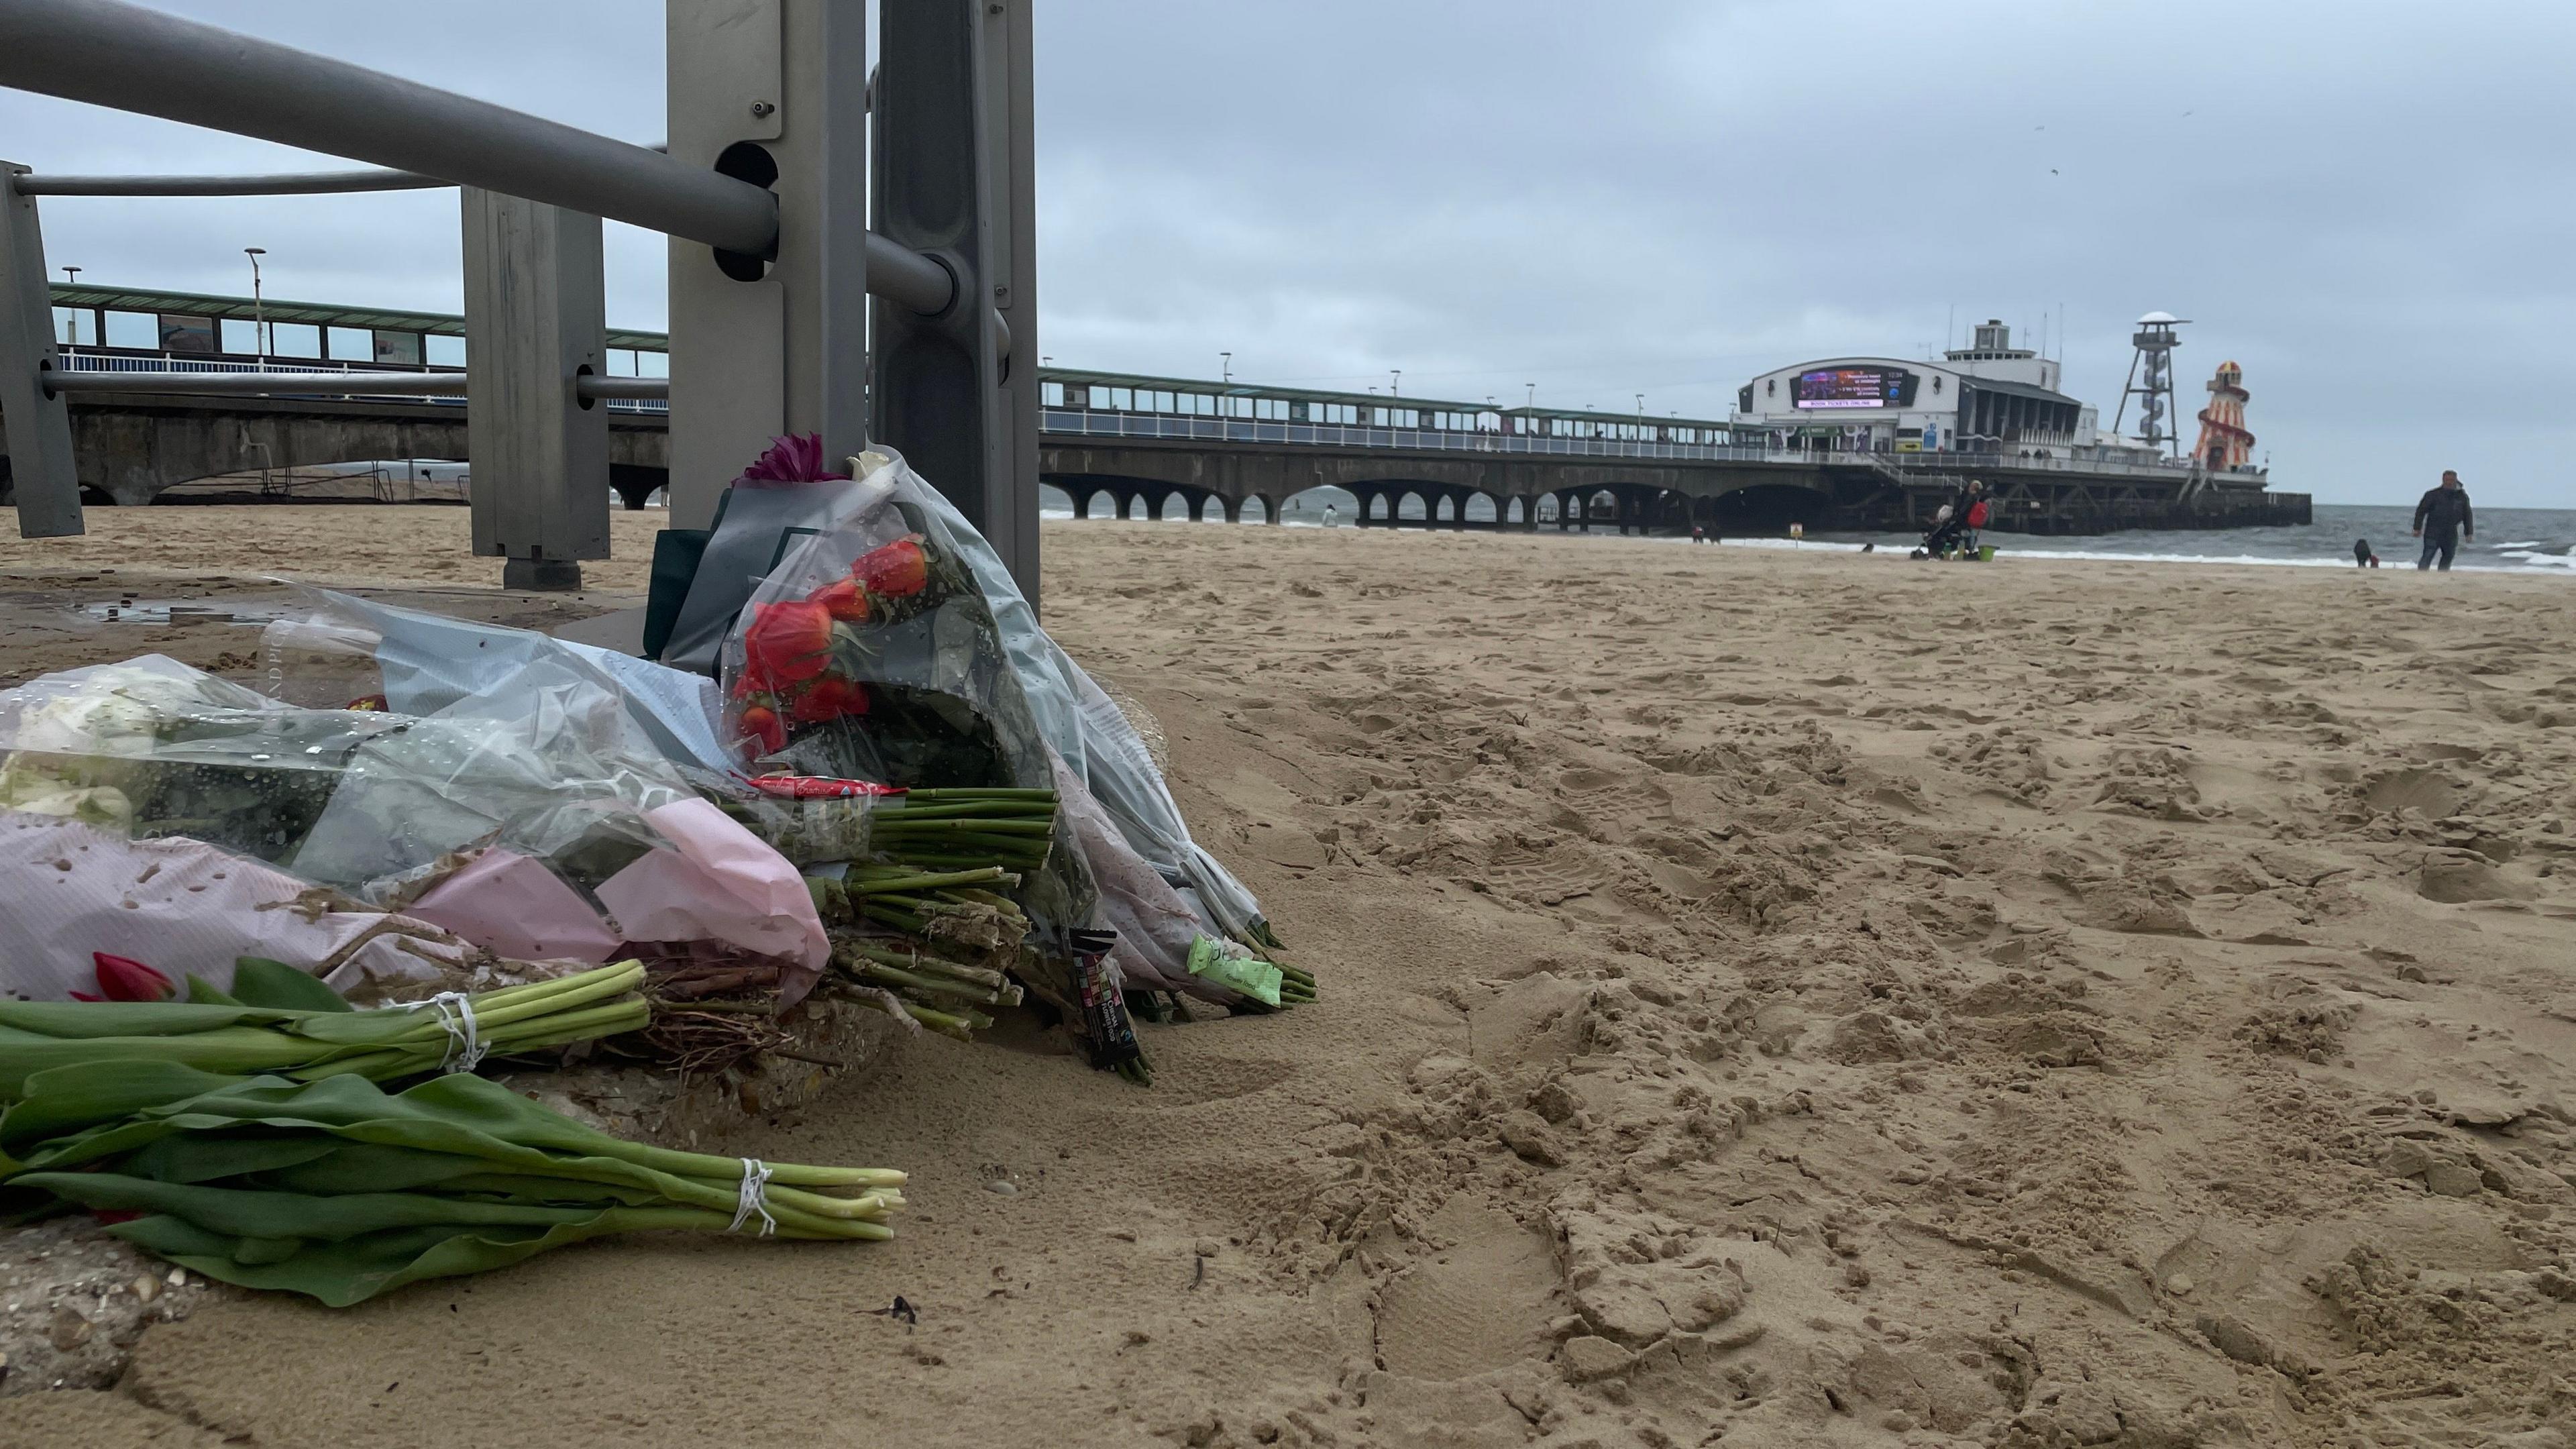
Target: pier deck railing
{"points": [[1930, 467]]}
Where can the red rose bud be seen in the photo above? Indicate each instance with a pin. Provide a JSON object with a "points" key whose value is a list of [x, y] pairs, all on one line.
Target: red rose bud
{"points": [[897, 570], [123, 979], [789, 641], [761, 724], [830, 697], [843, 599]]}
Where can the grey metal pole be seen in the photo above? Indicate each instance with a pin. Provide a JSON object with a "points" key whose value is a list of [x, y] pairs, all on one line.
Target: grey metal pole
{"points": [[287, 183], [845, 259], [114, 54], [258, 309], [1011, 162], [951, 123], [41, 471]]}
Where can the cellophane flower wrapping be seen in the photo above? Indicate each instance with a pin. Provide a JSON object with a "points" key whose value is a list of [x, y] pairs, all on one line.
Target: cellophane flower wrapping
{"points": [[871, 652], [1144, 860], [523, 816]]}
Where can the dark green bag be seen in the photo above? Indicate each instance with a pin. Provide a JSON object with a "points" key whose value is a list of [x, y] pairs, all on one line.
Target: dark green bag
{"points": [[676, 552]]}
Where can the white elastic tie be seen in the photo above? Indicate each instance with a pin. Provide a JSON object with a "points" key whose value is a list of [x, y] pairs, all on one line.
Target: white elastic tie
{"points": [[456, 1013], [754, 1198]]}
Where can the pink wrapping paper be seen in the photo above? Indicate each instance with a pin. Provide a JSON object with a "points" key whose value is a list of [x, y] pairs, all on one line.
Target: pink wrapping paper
{"points": [[717, 883], [515, 907], [723, 883], [184, 908]]}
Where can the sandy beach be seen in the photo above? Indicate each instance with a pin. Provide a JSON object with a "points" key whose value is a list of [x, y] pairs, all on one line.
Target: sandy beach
{"points": [[1769, 998]]}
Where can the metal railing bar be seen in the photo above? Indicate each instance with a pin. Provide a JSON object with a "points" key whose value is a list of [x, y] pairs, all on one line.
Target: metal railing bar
{"points": [[899, 274], [289, 183], [336, 384], [623, 387], [281, 183], [110, 53], [223, 384]]}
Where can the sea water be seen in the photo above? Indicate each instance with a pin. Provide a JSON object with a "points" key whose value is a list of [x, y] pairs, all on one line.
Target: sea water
{"points": [[2522, 540], [2525, 540]]}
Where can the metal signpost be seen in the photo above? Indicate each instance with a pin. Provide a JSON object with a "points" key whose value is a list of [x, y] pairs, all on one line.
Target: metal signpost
{"points": [[764, 191]]}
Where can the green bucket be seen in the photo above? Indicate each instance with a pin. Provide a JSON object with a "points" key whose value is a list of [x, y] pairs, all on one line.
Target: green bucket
{"points": [[1985, 553]]}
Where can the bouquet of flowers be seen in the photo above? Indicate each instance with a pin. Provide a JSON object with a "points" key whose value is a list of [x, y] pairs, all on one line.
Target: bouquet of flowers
{"points": [[339, 1190], [870, 654], [530, 819]]}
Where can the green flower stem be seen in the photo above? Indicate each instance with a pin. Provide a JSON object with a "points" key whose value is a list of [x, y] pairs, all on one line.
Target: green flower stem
{"points": [[490, 1020], [961, 1025], [935, 965], [935, 985], [985, 811], [878, 885], [559, 1029], [904, 921], [900, 825], [552, 985]]}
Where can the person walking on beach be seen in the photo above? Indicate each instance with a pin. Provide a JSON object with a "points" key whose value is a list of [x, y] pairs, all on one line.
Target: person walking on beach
{"points": [[2443, 521], [1332, 515]]}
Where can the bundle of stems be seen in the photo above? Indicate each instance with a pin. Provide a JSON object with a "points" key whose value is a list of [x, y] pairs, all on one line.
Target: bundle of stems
{"points": [[339, 1190], [949, 829], [939, 992], [966, 907], [932, 829], [234, 1034], [1296, 984]]}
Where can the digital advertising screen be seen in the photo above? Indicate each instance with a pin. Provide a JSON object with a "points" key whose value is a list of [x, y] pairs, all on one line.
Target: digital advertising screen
{"points": [[1855, 387]]}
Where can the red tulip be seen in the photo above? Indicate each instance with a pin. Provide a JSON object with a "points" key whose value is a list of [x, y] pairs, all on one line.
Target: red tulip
{"points": [[761, 724], [897, 570], [843, 599], [789, 640], [830, 697], [123, 979]]}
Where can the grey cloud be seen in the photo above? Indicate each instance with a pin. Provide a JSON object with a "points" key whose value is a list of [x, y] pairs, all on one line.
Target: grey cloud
{"points": [[2365, 203]]}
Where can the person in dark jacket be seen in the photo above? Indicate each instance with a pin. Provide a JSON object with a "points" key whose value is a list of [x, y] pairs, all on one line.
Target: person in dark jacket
{"points": [[2443, 520]]}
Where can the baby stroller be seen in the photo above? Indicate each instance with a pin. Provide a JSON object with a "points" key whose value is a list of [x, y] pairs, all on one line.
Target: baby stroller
{"points": [[1953, 533]]}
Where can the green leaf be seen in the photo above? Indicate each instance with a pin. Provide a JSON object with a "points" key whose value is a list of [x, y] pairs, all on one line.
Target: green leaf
{"points": [[202, 992], [258, 981], [353, 1270], [92, 1093]]}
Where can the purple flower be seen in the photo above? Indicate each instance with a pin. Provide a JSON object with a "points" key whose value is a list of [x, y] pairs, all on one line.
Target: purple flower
{"points": [[789, 461]]}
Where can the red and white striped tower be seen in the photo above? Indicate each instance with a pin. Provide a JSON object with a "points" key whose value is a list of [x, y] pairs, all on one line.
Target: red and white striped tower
{"points": [[2224, 443]]}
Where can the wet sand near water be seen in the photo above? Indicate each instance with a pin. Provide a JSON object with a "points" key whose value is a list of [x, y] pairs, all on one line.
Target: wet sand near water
{"points": [[1768, 998]]}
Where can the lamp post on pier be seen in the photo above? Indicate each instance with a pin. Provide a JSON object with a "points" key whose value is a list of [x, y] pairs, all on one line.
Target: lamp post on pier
{"points": [[258, 308], [71, 317]]}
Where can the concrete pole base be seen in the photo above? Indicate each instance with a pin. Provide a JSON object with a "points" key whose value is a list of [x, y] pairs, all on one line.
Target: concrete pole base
{"points": [[543, 575]]}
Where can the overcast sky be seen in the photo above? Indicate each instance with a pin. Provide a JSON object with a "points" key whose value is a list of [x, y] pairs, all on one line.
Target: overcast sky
{"points": [[2366, 202]]}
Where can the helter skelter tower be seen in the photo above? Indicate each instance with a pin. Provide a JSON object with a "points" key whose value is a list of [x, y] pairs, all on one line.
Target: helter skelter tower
{"points": [[2224, 443], [2151, 383]]}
